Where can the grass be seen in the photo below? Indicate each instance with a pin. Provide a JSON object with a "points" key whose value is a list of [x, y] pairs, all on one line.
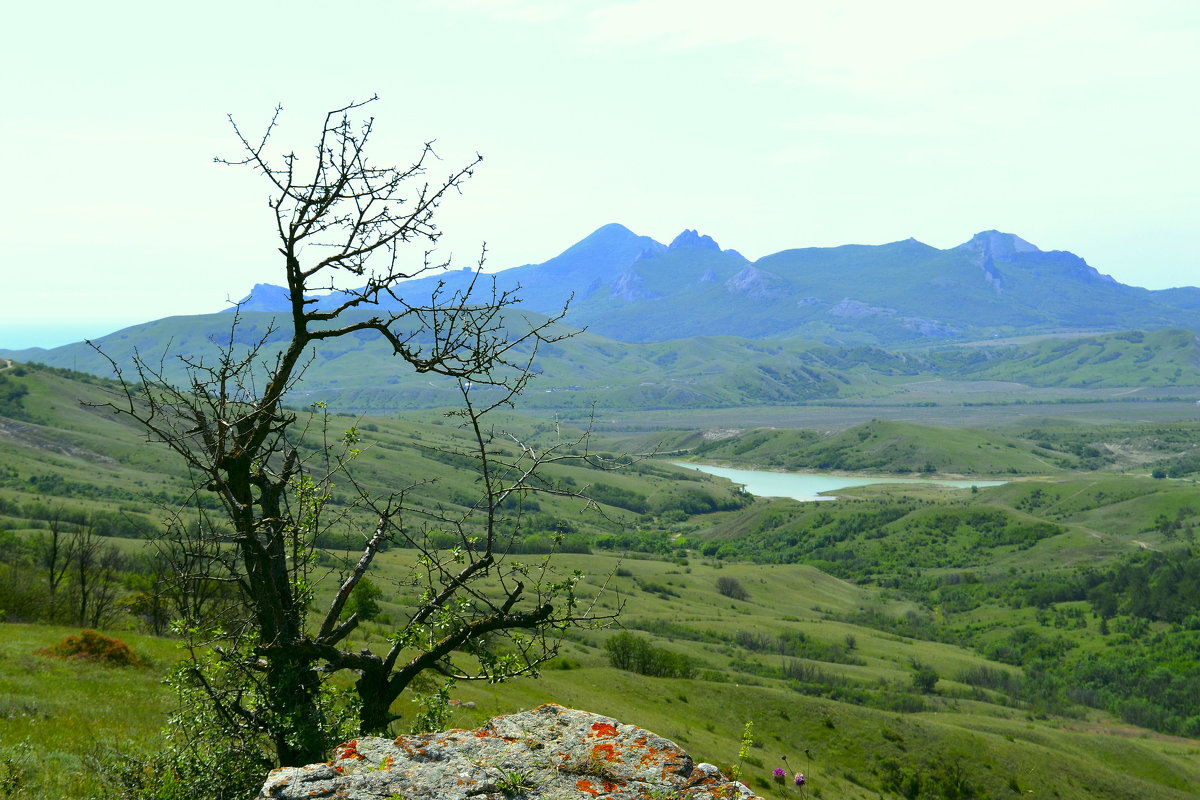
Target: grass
{"points": [[991, 741], [68, 709], [848, 746], [858, 650]]}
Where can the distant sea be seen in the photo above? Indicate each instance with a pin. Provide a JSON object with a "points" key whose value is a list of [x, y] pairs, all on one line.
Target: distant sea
{"points": [[19, 335]]}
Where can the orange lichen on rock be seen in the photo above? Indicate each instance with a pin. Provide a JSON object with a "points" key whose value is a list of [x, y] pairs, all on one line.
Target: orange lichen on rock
{"points": [[586, 786], [604, 729], [349, 750], [605, 751]]}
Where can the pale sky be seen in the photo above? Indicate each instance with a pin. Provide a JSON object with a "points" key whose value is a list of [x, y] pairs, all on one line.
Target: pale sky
{"points": [[765, 124]]}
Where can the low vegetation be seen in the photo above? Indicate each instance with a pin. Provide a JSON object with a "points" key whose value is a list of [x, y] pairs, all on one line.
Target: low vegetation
{"points": [[913, 642], [92, 646]]}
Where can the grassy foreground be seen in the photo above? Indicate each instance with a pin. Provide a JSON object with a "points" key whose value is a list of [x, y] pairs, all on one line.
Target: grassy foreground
{"points": [[56, 715], [960, 743]]}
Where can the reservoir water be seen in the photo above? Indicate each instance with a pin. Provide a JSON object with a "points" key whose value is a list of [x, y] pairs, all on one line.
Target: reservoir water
{"points": [[809, 485]]}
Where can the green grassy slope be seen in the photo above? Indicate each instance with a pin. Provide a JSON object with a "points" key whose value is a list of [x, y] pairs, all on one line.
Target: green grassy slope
{"points": [[1156, 358], [852, 750], [56, 452], [57, 713], [843, 602]]}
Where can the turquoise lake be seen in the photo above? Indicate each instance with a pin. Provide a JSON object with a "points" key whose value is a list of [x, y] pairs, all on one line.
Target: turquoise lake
{"points": [[810, 485]]}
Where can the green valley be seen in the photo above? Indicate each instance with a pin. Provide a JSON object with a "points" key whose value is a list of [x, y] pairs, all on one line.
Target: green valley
{"points": [[900, 642]]}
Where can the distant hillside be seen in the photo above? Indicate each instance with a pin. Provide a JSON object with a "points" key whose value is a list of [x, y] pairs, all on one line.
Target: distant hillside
{"points": [[1160, 358], [632, 288], [358, 375], [60, 447]]}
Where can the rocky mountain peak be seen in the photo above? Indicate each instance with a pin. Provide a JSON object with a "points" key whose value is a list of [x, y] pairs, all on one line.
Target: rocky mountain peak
{"points": [[995, 244], [264, 297], [691, 238]]}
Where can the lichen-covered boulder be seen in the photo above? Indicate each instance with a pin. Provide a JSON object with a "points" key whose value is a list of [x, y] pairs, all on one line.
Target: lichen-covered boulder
{"points": [[549, 753]]}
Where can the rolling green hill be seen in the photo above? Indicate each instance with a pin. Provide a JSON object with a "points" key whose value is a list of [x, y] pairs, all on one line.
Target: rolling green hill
{"points": [[897, 448], [1167, 357], [881, 446], [358, 374], [57, 450]]}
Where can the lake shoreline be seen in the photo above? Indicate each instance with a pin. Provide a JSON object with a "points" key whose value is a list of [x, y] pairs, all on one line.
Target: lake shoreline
{"points": [[819, 486], [840, 473]]}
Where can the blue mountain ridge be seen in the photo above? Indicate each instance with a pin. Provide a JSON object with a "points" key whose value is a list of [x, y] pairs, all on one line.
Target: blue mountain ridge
{"points": [[633, 288]]}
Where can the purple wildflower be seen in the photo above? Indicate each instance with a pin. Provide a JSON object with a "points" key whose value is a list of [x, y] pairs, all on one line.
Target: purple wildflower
{"points": [[799, 779], [780, 774]]}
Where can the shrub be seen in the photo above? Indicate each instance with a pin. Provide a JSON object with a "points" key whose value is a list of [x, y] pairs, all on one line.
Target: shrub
{"points": [[17, 763], [924, 678], [92, 646], [732, 588]]}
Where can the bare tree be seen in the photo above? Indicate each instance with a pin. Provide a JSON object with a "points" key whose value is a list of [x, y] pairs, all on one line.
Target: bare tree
{"points": [[79, 563], [342, 223], [95, 566], [55, 555]]}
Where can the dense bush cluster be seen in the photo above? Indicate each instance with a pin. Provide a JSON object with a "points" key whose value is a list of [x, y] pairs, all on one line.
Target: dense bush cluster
{"points": [[12, 396], [636, 654], [1155, 586]]}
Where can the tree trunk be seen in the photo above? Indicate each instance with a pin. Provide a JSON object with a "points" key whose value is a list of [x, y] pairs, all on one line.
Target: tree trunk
{"points": [[375, 702], [294, 699]]}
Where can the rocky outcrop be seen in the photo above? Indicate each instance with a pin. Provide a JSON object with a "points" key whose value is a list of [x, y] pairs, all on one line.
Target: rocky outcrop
{"points": [[692, 238], [549, 752], [628, 287], [855, 309], [756, 283]]}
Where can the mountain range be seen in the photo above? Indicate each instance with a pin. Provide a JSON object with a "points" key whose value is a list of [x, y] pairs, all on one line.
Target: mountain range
{"points": [[632, 288], [692, 325]]}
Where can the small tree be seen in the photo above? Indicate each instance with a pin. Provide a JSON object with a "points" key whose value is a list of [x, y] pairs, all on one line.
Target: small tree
{"points": [[924, 678], [364, 600], [262, 664], [732, 588]]}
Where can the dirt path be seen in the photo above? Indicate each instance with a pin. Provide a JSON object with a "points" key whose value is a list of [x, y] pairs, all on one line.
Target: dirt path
{"points": [[1076, 494], [8, 364]]}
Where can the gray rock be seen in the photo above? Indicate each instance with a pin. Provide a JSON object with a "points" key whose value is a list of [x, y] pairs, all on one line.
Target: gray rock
{"points": [[549, 753]]}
